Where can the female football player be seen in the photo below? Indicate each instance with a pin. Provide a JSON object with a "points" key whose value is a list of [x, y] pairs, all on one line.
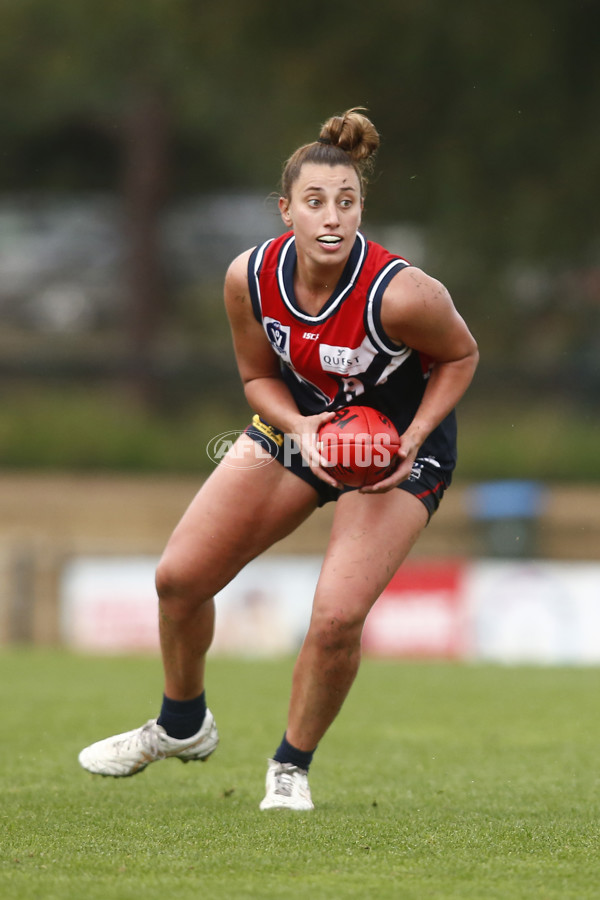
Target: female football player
{"points": [[321, 318]]}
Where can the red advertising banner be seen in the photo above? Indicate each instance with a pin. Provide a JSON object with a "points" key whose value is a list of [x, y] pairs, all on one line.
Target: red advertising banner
{"points": [[421, 613]]}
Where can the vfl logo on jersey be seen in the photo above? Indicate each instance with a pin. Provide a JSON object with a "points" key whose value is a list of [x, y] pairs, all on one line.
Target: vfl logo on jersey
{"points": [[279, 337]]}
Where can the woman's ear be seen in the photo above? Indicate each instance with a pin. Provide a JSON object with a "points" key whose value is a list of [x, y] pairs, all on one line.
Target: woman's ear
{"points": [[284, 209]]}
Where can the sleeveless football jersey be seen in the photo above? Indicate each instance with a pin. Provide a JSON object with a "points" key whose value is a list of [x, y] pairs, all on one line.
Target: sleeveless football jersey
{"points": [[342, 355]]}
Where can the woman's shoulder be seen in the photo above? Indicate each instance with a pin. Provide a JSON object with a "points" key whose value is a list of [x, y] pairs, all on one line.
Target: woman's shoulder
{"points": [[272, 245], [415, 302], [413, 284], [238, 267]]}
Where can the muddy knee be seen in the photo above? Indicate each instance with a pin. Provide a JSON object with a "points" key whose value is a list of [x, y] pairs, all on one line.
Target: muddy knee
{"points": [[334, 634]]}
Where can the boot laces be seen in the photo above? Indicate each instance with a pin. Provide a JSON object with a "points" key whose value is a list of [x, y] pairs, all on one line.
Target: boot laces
{"points": [[284, 779], [148, 737]]}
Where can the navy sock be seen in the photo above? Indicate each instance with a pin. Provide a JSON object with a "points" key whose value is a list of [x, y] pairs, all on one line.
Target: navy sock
{"points": [[182, 718], [286, 753]]}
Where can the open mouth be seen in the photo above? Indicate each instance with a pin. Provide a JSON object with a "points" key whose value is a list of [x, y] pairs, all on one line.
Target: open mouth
{"points": [[331, 240]]}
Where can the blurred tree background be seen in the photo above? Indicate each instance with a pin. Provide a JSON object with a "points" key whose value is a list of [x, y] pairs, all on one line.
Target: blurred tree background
{"points": [[142, 144]]}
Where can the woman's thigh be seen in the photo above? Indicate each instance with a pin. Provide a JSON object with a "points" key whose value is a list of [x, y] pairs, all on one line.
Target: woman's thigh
{"points": [[371, 536], [240, 511]]}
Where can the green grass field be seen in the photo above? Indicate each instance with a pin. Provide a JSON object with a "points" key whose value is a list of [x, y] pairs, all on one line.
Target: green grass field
{"points": [[436, 781]]}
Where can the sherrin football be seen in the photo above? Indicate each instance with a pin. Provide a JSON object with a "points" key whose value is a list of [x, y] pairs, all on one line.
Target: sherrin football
{"points": [[360, 445]]}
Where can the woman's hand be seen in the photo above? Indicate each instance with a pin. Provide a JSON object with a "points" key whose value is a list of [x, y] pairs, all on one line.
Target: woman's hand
{"points": [[407, 454], [304, 433]]}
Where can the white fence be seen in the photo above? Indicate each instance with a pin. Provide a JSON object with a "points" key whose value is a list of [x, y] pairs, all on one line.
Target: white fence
{"points": [[489, 610]]}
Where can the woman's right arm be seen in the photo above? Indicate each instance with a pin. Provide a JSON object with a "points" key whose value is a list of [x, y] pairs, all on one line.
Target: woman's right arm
{"points": [[259, 368], [258, 364]]}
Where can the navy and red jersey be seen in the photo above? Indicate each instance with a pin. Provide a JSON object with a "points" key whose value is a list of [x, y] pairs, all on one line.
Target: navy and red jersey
{"points": [[342, 355]]}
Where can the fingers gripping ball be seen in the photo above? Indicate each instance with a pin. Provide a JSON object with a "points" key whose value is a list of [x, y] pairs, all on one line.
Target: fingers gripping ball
{"points": [[360, 444]]}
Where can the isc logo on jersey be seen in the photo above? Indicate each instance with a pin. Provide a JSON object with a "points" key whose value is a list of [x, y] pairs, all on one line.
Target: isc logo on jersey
{"points": [[279, 337], [346, 360]]}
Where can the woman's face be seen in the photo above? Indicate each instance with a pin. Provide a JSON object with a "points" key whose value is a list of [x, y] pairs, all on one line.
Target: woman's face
{"points": [[324, 210]]}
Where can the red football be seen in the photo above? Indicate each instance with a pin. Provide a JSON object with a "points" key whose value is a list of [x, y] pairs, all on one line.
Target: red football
{"points": [[360, 444]]}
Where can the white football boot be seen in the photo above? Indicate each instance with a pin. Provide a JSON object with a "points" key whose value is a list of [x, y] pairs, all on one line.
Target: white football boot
{"points": [[287, 787], [130, 752]]}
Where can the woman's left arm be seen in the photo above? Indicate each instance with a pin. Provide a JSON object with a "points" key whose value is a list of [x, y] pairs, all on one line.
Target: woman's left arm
{"points": [[418, 311]]}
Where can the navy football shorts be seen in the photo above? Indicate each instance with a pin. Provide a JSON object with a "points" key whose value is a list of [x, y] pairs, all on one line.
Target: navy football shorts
{"points": [[427, 483]]}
